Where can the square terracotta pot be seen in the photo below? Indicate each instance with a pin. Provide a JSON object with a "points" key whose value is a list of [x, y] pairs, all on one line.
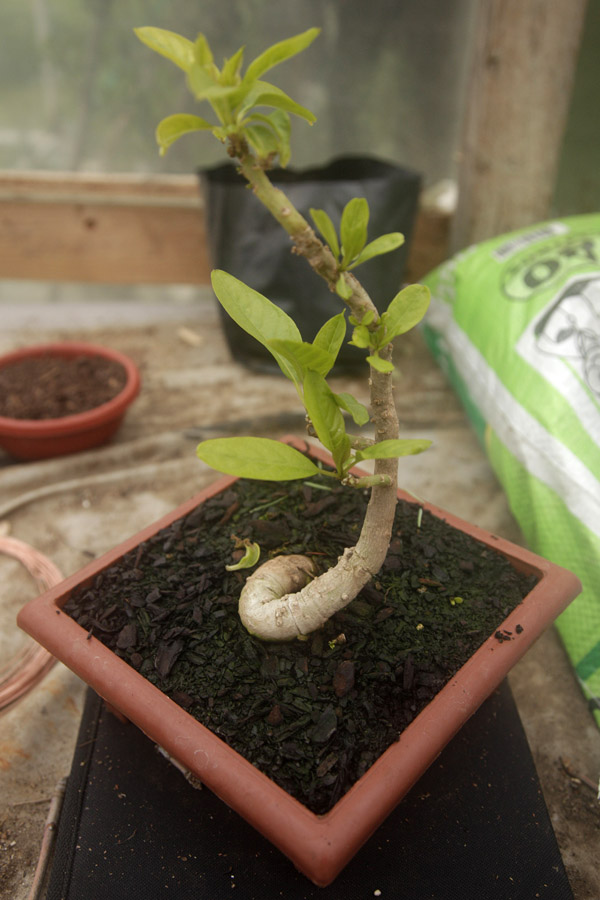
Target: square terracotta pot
{"points": [[318, 845]]}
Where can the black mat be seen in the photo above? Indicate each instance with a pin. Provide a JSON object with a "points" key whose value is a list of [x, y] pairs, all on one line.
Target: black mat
{"points": [[474, 828]]}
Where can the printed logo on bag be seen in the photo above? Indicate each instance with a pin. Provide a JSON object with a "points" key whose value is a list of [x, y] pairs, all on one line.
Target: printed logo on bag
{"points": [[542, 268], [563, 344]]}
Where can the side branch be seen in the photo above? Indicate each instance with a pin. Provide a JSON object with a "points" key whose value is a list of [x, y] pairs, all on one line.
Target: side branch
{"points": [[306, 242]]}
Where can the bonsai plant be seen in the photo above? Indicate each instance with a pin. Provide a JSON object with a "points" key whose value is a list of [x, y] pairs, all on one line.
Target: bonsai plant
{"points": [[63, 397], [283, 599], [163, 606]]}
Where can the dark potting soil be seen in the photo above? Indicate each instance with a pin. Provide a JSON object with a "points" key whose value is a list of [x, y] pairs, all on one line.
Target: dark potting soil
{"points": [[50, 387], [312, 714]]}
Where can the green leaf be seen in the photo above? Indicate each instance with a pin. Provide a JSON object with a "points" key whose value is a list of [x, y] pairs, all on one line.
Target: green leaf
{"points": [[304, 355], [285, 152], [392, 449], [221, 133], [264, 94], [249, 559], [326, 417], [406, 309], [342, 288], [353, 228], [256, 315], [366, 319], [359, 413], [230, 73], [203, 54], [199, 80], [330, 336], [384, 244], [263, 140], [178, 49], [205, 87], [279, 52], [361, 337], [174, 127], [260, 458], [327, 229], [382, 365], [279, 121]]}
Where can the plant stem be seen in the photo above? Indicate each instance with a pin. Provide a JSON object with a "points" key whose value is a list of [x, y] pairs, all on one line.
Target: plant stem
{"points": [[306, 243], [302, 611]]}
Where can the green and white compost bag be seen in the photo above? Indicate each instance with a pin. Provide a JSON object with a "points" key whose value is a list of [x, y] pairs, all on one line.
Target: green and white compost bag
{"points": [[515, 322]]}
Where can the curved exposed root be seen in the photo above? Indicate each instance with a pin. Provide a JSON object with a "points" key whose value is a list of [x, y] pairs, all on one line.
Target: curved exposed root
{"points": [[281, 600], [265, 608]]}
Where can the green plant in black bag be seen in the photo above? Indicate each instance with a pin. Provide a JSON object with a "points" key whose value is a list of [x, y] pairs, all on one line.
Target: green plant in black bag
{"points": [[285, 597]]}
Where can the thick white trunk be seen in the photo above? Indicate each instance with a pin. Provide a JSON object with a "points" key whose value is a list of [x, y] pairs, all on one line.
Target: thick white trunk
{"points": [[282, 600], [275, 607]]}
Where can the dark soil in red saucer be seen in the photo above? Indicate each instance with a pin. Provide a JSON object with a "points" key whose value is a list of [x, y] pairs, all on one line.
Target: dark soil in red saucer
{"points": [[51, 387]]}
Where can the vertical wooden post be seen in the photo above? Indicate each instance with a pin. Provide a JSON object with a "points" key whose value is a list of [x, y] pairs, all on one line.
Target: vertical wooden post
{"points": [[523, 65]]}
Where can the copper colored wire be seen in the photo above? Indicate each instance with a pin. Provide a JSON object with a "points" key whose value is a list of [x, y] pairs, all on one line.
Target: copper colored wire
{"points": [[32, 663]]}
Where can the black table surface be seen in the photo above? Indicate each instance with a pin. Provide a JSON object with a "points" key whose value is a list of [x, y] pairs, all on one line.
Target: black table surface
{"points": [[475, 827]]}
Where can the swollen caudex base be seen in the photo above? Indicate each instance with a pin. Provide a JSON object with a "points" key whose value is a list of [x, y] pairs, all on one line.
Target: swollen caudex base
{"points": [[282, 601]]}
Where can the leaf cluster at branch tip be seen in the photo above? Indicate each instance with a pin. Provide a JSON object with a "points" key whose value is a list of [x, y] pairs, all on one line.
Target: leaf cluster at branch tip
{"points": [[237, 99]]}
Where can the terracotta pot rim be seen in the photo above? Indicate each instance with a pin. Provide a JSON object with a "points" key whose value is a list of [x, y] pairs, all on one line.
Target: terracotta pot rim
{"points": [[34, 428]]}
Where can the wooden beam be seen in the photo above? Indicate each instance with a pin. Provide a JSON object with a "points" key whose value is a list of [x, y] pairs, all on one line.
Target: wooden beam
{"points": [[523, 63], [34, 186], [113, 229], [130, 229]]}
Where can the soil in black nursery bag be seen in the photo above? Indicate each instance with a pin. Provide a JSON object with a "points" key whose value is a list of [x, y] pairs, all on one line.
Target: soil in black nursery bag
{"points": [[313, 714]]}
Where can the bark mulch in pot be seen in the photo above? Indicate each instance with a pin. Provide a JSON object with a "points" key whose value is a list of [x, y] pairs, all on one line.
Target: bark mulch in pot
{"points": [[51, 387], [312, 714]]}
